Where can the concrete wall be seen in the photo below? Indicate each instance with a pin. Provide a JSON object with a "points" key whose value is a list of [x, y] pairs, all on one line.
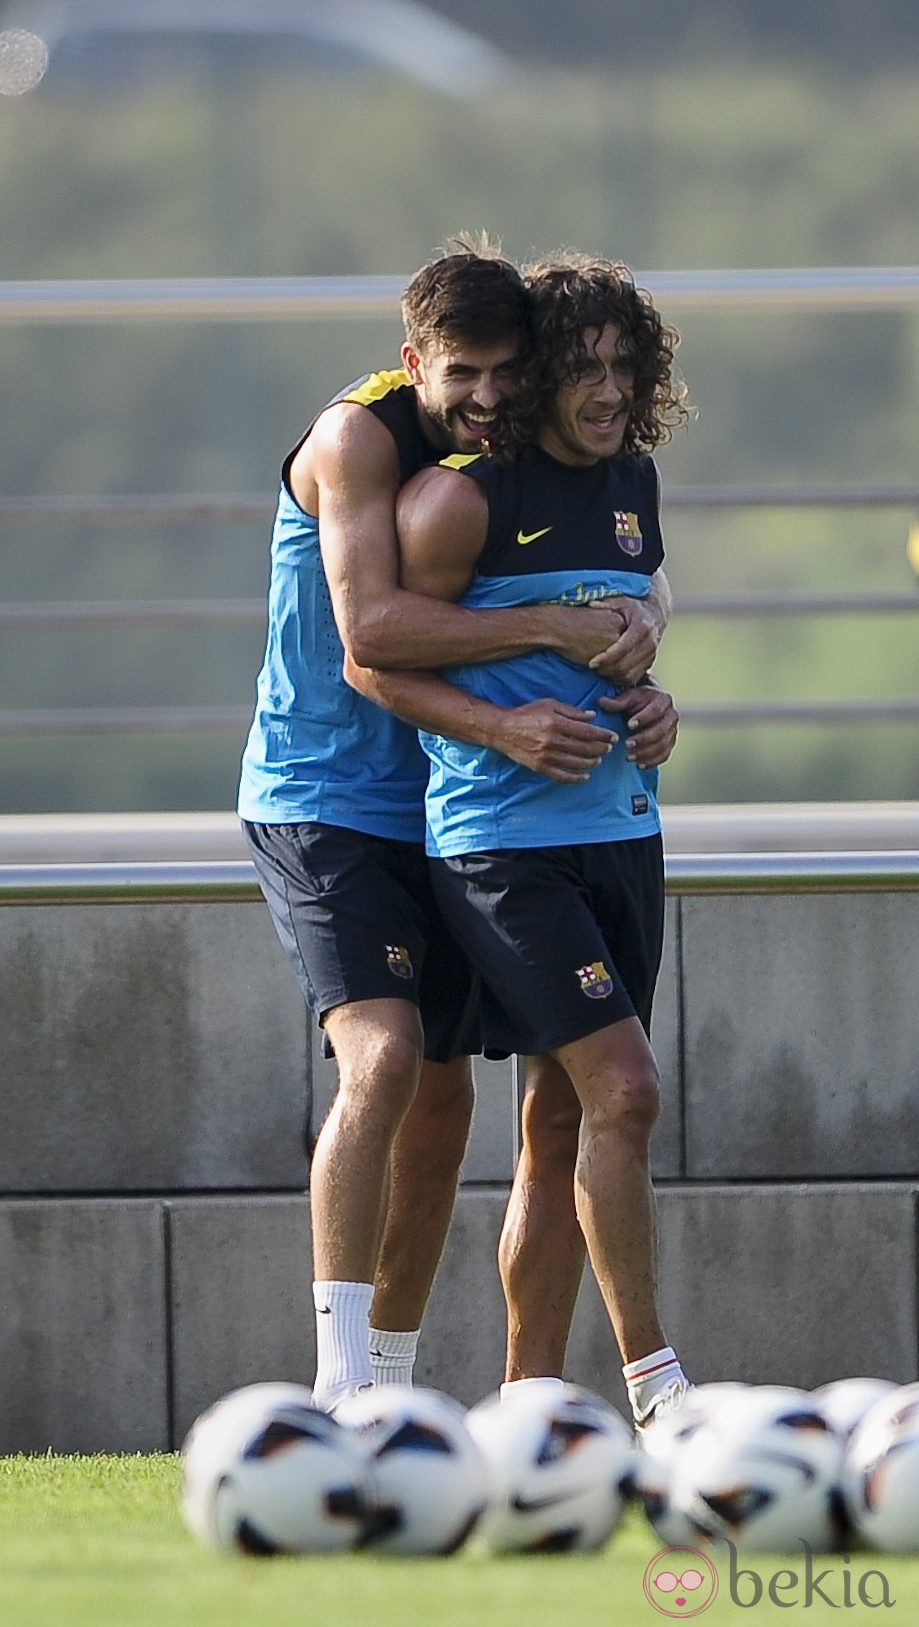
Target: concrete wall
{"points": [[157, 1072]]}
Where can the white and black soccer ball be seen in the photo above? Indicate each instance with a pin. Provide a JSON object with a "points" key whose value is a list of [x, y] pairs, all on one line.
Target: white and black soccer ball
{"points": [[561, 1462], [428, 1478], [659, 1447], [845, 1401], [764, 1472], [881, 1472], [265, 1472]]}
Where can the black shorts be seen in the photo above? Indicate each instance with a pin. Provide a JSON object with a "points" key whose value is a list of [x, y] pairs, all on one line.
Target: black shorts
{"points": [[358, 920], [568, 940]]}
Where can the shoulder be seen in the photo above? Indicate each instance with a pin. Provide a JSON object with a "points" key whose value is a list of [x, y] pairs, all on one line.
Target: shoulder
{"points": [[440, 508], [443, 490], [346, 443]]}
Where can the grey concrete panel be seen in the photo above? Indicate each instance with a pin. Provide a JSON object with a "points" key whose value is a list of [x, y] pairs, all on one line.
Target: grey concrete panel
{"points": [[667, 1145], [242, 1305], [490, 1152], [83, 1327], [461, 1349], [593, 1357], [149, 1047], [790, 1284], [801, 1036]]}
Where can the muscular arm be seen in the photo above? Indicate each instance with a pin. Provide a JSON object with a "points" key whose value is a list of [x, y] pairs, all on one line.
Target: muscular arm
{"points": [[546, 736], [347, 472], [634, 652]]}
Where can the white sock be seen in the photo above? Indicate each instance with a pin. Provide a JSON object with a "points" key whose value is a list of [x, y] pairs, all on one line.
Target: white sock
{"points": [[392, 1355], [649, 1376], [518, 1386], [342, 1323]]}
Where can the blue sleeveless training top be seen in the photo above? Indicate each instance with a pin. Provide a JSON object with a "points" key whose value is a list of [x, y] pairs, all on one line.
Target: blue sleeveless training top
{"points": [[317, 750], [565, 535]]}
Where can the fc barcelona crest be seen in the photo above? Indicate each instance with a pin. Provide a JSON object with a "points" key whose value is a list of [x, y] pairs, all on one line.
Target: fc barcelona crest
{"points": [[399, 960], [628, 533], [595, 980]]}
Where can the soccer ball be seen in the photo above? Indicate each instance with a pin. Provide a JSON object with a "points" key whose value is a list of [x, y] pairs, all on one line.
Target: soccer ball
{"points": [[881, 1473], [845, 1402], [561, 1461], [660, 1444], [428, 1479], [764, 1472], [264, 1472]]}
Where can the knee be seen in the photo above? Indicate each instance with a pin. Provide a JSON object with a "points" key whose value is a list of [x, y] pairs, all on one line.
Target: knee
{"points": [[380, 1078], [630, 1107]]}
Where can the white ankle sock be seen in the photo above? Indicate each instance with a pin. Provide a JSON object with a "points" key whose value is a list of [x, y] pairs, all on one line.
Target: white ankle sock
{"points": [[519, 1386], [392, 1355], [649, 1376], [342, 1355]]}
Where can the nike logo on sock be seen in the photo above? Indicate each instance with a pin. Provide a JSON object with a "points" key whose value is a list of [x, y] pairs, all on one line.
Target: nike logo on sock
{"points": [[324, 1310]]}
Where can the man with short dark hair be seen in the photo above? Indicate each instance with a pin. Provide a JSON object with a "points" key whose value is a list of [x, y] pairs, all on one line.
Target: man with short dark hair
{"points": [[331, 798]]}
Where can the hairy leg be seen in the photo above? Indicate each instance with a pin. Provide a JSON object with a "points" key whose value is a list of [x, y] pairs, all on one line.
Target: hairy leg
{"points": [[378, 1048], [424, 1170], [616, 1079], [541, 1252]]}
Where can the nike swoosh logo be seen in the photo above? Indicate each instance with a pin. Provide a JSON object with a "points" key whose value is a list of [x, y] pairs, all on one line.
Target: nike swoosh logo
{"points": [[324, 1310], [523, 537], [533, 1505]]}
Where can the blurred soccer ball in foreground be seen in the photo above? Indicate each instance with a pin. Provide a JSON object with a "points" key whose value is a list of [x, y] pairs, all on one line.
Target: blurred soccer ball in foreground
{"points": [[845, 1401], [428, 1478], [881, 1475], [560, 1462], [764, 1472], [660, 1446], [264, 1472]]}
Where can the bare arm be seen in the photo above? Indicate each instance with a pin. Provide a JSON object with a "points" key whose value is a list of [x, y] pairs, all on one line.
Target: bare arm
{"points": [[634, 652], [553, 739], [347, 472]]}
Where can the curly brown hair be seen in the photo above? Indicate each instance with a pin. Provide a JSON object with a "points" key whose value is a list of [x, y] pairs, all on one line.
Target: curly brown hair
{"points": [[468, 294], [570, 294]]}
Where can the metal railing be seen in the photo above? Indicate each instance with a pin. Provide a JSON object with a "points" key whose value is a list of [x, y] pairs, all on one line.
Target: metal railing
{"points": [[247, 299], [692, 874], [285, 298]]}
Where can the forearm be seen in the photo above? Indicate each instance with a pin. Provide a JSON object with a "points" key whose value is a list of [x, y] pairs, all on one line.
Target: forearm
{"points": [[427, 701], [410, 630], [660, 601], [558, 741]]}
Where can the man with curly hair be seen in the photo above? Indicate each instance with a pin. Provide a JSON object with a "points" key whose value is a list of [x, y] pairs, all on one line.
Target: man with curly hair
{"points": [[556, 890]]}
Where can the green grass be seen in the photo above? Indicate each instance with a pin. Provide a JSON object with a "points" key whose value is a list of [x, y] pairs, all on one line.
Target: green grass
{"points": [[98, 1542]]}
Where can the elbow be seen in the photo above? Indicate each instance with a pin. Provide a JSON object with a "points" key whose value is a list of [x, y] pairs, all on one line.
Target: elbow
{"points": [[364, 640], [375, 643], [365, 648], [357, 677]]}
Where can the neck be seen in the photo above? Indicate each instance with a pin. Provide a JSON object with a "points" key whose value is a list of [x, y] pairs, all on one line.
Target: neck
{"points": [[563, 454]]}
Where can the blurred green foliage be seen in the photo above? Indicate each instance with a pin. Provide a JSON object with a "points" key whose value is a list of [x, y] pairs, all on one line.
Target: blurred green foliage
{"points": [[718, 165]]}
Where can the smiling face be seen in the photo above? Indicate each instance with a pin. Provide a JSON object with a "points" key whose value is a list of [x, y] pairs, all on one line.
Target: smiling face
{"points": [[589, 416], [460, 389]]}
